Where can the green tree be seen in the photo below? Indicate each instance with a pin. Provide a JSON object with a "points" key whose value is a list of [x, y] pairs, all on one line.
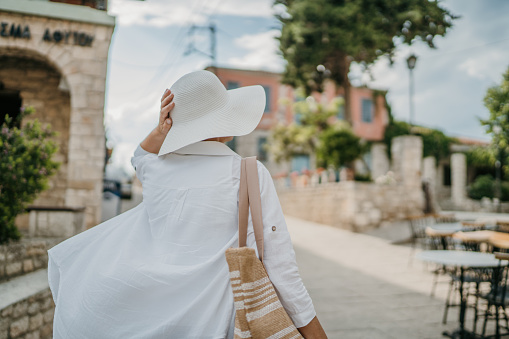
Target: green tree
{"points": [[339, 146], [497, 124], [323, 37], [302, 136], [434, 142], [316, 131], [25, 166]]}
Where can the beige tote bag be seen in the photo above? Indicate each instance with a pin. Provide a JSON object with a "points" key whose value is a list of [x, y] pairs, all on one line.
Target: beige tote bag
{"points": [[259, 313]]}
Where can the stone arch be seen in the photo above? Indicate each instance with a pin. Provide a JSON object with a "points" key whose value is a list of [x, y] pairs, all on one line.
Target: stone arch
{"points": [[41, 84]]}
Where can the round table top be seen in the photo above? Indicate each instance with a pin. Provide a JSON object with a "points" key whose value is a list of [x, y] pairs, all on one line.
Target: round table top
{"points": [[476, 236], [446, 228], [460, 258]]}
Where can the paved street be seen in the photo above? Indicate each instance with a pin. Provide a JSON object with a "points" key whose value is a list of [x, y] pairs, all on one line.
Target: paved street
{"points": [[363, 286]]}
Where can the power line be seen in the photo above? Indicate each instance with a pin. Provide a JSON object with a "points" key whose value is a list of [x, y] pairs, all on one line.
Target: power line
{"points": [[173, 46], [467, 49]]}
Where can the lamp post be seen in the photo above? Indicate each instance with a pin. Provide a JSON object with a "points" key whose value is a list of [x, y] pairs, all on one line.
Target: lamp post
{"points": [[498, 166], [411, 60]]}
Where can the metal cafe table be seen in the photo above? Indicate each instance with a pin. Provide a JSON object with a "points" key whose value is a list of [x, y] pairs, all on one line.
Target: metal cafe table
{"points": [[463, 260]]}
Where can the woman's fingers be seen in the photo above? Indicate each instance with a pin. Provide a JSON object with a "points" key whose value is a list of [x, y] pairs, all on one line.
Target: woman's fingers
{"points": [[167, 104], [166, 93], [166, 100]]}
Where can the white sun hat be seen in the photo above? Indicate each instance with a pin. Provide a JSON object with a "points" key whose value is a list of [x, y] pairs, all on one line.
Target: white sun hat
{"points": [[205, 109]]}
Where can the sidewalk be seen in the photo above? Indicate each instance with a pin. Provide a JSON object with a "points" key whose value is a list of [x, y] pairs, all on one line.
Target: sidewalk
{"points": [[363, 286]]}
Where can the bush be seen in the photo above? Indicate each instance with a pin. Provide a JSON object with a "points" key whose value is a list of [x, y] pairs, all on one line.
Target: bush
{"points": [[485, 186], [25, 166]]}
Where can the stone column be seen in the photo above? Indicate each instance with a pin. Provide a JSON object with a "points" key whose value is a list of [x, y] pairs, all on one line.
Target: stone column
{"points": [[429, 173], [406, 153], [458, 178], [380, 160]]}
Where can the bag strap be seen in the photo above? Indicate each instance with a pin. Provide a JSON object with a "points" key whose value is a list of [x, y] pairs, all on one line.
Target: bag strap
{"points": [[249, 198]]}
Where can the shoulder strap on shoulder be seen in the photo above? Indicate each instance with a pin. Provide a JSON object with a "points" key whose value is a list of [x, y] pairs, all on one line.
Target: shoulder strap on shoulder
{"points": [[249, 197]]}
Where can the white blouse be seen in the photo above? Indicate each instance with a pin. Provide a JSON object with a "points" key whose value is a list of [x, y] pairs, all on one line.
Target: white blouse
{"points": [[159, 270]]}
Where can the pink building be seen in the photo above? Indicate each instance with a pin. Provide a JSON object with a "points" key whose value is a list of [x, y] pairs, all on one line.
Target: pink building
{"points": [[369, 113]]}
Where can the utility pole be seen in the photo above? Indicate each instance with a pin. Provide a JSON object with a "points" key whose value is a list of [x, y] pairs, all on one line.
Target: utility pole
{"points": [[191, 48]]}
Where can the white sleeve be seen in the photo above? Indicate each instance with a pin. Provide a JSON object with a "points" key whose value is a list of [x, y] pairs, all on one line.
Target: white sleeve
{"points": [[137, 160], [279, 256]]}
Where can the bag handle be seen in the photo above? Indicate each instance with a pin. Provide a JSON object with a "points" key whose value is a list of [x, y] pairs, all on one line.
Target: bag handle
{"points": [[249, 198]]}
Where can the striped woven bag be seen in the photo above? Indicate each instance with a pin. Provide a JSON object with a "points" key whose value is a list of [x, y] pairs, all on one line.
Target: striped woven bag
{"points": [[259, 313]]}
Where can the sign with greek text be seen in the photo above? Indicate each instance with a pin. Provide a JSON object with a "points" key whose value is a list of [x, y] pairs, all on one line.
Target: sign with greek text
{"points": [[67, 37]]}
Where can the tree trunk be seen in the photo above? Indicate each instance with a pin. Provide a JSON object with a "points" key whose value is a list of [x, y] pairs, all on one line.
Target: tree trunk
{"points": [[345, 83], [339, 65]]}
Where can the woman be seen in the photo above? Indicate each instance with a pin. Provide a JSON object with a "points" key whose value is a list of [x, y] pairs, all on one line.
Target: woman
{"points": [[159, 270]]}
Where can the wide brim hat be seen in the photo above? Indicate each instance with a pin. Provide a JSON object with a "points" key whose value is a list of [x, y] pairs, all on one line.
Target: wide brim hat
{"points": [[205, 109]]}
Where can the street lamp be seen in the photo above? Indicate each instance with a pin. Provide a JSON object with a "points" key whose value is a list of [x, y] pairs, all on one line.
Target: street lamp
{"points": [[498, 166], [411, 60]]}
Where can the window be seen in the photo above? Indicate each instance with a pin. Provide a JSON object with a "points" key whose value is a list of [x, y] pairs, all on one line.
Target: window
{"points": [[367, 110], [267, 96], [341, 109], [262, 153], [300, 162], [232, 85]]}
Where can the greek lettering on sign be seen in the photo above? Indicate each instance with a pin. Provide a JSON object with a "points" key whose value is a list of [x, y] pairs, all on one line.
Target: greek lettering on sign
{"points": [[19, 31], [13, 30], [68, 37]]}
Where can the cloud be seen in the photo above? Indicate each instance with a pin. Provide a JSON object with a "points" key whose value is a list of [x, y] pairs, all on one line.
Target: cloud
{"points": [[163, 13], [481, 67], [262, 52]]}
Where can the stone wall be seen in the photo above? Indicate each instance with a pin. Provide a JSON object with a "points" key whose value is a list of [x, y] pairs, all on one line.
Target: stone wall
{"points": [[31, 318], [351, 205], [82, 72], [24, 257]]}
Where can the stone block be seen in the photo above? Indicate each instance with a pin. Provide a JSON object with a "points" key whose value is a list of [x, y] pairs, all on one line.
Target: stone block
{"points": [[6, 312], [46, 331], [28, 265], [32, 335], [33, 308], [48, 315], [13, 268], [19, 327], [47, 303], [19, 309], [4, 324], [41, 261], [3, 257], [36, 321]]}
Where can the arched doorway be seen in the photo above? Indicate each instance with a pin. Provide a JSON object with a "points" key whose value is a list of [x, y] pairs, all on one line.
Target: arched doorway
{"points": [[29, 79]]}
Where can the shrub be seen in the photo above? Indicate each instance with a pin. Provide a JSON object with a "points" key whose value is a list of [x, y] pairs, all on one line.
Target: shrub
{"points": [[25, 167]]}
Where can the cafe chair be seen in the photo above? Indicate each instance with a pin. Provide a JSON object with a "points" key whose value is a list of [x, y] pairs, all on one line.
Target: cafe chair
{"points": [[418, 226], [438, 241], [502, 226], [474, 225], [497, 298], [445, 218]]}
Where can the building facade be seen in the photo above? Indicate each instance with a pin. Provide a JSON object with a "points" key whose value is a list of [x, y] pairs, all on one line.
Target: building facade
{"points": [[368, 109], [53, 56]]}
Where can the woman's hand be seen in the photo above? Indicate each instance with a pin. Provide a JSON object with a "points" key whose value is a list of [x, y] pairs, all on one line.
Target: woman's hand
{"points": [[154, 140], [167, 105]]}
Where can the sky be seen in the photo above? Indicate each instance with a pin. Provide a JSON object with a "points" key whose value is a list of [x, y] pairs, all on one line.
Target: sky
{"points": [[147, 55]]}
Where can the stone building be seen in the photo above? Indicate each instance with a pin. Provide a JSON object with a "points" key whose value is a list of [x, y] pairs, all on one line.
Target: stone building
{"points": [[53, 56], [369, 114]]}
